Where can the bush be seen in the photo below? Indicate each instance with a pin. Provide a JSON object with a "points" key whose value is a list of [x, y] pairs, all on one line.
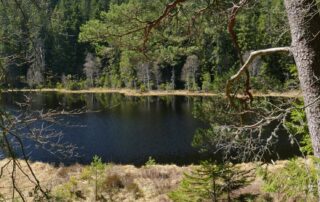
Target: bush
{"points": [[66, 191], [59, 85], [113, 183], [86, 173], [71, 84], [143, 88], [151, 162], [297, 180], [162, 86]]}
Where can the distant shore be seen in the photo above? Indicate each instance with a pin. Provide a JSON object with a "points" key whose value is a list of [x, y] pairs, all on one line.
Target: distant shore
{"points": [[131, 92]]}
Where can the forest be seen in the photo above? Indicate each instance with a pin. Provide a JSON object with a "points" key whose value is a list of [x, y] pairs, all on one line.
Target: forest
{"points": [[168, 100], [77, 45]]}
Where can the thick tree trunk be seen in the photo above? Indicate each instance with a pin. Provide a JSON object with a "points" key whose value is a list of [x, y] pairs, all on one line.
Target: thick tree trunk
{"points": [[304, 20]]}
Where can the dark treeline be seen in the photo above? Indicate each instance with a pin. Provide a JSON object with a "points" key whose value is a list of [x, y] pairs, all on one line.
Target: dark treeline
{"points": [[82, 43]]}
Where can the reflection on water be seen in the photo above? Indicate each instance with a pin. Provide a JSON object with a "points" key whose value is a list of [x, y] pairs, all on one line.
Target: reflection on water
{"points": [[124, 129], [120, 129]]}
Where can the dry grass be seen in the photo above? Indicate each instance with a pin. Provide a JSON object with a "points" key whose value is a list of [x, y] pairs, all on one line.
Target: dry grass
{"points": [[127, 182], [116, 183]]}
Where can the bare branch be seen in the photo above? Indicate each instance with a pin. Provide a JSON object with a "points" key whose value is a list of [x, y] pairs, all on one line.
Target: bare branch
{"points": [[247, 64]]}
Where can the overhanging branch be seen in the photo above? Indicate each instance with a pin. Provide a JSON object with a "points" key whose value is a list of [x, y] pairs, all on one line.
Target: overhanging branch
{"points": [[231, 24], [246, 65], [152, 24]]}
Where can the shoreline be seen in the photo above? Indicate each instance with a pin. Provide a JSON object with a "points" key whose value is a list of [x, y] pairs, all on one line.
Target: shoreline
{"points": [[137, 93], [153, 181]]}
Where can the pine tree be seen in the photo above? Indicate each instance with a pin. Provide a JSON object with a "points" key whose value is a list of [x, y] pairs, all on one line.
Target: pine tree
{"points": [[211, 182]]}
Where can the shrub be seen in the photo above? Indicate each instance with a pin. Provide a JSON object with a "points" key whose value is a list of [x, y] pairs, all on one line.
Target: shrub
{"points": [[71, 84], [59, 85], [112, 182], [162, 86], [86, 173], [143, 88], [66, 191], [151, 162], [297, 180]]}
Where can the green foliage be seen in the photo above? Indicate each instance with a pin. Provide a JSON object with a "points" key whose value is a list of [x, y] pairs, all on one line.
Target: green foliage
{"points": [[293, 81], [71, 84], [297, 125], [219, 82], [296, 180], [151, 162], [105, 185], [66, 191], [59, 85], [168, 45], [65, 31], [95, 174], [97, 168], [264, 83], [206, 82], [143, 88], [211, 182]]}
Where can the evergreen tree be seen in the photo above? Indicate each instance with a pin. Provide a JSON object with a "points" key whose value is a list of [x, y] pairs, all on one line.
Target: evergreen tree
{"points": [[211, 182]]}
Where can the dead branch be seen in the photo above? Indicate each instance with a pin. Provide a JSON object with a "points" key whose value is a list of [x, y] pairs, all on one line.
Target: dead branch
{"points": [[21, 126], [246, 65]]}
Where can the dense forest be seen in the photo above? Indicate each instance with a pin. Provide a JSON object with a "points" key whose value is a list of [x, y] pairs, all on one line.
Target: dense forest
{"points": [[82, 44]]}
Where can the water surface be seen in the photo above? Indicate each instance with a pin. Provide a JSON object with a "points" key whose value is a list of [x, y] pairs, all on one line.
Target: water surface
{"points": [[123, 129], [117, 128]]}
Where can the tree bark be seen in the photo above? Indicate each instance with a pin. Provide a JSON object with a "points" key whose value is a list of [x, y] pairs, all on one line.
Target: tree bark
{"points": [[304, 21]]}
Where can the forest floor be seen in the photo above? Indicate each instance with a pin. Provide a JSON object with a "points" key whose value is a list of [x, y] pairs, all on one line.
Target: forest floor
{"points": [[116, 182], [132, 92]]}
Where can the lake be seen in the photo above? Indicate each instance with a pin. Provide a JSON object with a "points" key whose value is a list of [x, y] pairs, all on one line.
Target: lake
{"points": [[119, 129]]}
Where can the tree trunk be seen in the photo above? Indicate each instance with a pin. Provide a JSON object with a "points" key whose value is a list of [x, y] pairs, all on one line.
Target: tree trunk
{"points": [[304, 21]]}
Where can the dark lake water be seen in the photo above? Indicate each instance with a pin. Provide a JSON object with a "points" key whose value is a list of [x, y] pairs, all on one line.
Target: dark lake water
{"points": [[118, 128]]}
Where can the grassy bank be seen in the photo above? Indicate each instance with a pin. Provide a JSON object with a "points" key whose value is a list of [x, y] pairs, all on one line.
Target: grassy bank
{"points": [[120, 182], [123, 182], [131, 92]]}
